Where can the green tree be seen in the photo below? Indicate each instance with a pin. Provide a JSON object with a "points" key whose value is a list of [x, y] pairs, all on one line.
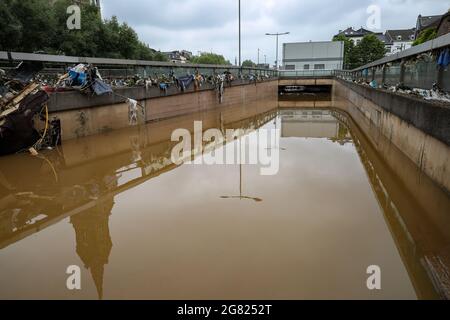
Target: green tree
{"points": [[368, 50], [425, 35], [248, 63], [159, 56], [34, 22], [84, 42], [210, 58], [41, 25], [11, 28], [349, 52]]}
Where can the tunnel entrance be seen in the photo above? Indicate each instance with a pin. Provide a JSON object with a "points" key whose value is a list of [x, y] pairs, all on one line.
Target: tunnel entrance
{"points": [[304, 92]]}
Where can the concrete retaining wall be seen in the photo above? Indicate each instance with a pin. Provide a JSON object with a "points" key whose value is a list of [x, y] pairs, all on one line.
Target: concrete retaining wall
{"points": [[83, 116], [418, 128]]}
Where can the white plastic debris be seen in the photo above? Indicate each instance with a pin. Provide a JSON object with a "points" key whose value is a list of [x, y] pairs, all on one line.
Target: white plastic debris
{"points": [[132, 112]]}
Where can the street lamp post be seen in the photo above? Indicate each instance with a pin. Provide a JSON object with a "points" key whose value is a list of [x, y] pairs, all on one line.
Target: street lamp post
{"points": [[277, 35], [240, 33]]}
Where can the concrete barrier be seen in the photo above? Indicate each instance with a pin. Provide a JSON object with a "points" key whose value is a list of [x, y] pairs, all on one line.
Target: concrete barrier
{"points": [[83, 115], [418, 128]]}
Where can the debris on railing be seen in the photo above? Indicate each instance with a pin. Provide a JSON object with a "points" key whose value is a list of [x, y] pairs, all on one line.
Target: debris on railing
{"points": [[24, 120], [84, 78], [435, 94]]}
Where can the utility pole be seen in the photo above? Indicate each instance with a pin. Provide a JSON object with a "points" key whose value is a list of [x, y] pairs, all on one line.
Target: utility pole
{"points": [[240, 62], [277, 35], [258, 56]]}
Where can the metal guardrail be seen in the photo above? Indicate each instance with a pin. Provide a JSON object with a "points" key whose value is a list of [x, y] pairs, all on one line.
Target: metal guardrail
{"points": [[412, 68], [306, 73], [402, 68], [438, 43], [125, 68]]}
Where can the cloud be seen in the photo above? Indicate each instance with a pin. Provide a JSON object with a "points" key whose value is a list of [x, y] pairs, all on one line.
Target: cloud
{"points": [[212, 25]]}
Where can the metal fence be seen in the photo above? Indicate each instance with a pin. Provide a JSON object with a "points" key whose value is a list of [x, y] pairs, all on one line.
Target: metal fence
{"points": [[306, 73], [120, 68], [416, 68]]}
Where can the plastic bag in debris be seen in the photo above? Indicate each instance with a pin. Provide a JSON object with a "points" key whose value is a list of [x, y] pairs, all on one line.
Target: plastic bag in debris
{"points": [[132, 112], [444, 58], [78, 75], [101, 88], [184, 82]]}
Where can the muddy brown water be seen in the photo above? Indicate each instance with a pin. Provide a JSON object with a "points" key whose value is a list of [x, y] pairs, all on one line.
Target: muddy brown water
{"points": [[141, 227]]}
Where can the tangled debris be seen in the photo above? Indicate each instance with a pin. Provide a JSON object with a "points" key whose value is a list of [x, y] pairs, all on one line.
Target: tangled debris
{"points": [[24, 122], [434, 94], [24, 93]]}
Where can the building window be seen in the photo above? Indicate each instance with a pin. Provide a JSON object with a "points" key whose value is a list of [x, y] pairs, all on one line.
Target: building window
{"points": [[306, 67], [290, 67], [319, 67]]}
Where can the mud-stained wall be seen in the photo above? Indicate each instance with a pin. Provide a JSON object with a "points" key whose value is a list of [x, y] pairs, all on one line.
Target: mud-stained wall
{"points": [[78, 151], [88, 121], [430, 155]]}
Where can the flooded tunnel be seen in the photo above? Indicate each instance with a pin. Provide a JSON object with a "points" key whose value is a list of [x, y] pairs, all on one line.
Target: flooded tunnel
{"points": [[144, 227]]}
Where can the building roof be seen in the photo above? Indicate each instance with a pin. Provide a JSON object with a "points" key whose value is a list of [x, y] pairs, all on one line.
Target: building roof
{"points": [[400, 35], [424, 22], [444, 25], [383, 38], [351, 33]]}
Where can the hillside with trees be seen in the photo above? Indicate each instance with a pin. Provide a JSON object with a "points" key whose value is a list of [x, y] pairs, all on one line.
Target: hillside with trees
{"points": [[38, 25]]}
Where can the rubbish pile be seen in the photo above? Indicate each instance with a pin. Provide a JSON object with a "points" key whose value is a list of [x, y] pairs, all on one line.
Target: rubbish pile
{"points": [[434, 94], [24, 120], [86, 79]]}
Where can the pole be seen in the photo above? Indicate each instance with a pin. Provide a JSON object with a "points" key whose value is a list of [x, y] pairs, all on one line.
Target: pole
{"points": [[277, 35], [276, 64], [240, 62], [258, 56]]}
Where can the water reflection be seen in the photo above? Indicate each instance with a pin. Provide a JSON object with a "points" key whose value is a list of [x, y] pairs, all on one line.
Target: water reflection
{"points": [[74, 182], [77, 182], [93, 239], [314, 123]]}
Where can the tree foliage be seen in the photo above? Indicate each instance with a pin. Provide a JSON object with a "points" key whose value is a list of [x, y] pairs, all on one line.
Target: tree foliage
{"points": [[425, 35], [349, 58], [248, 63], [39, 25], [210, 58], [368, 50]]}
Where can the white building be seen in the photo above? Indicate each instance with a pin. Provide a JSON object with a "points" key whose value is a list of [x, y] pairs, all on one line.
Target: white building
{"points": [[399, 40], [326, 55]]}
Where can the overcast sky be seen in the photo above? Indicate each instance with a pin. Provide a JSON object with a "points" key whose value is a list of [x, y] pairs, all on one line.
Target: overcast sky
{"points": [[212, 25]]}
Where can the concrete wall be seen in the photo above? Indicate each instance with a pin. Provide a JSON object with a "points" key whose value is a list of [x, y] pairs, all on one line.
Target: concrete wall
{"points": [[418, 128], [83, 116]]}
